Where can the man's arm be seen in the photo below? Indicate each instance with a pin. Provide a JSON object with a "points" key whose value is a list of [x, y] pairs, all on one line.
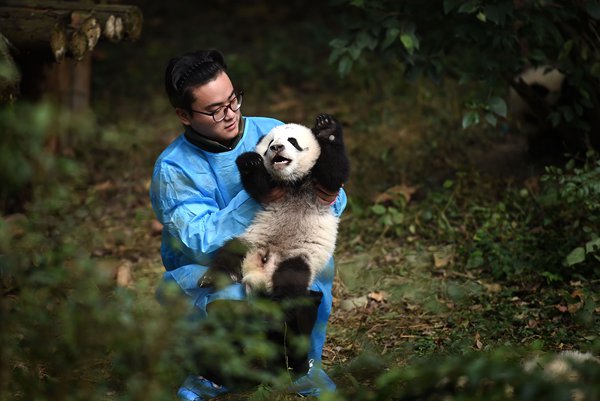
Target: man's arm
{"points": [[193, 217]]}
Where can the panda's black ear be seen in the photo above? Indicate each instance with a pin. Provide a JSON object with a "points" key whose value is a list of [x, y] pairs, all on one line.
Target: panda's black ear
{"points": [[259, 139]]}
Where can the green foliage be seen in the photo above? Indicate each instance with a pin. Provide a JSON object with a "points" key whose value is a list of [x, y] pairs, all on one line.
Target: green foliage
{"points": [[68, 332], [578, 193], [29, 155], [517, 234], [484, 42]]}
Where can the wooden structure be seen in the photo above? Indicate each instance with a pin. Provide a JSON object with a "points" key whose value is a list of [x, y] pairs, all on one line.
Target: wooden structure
{"points": [[51, 43]]}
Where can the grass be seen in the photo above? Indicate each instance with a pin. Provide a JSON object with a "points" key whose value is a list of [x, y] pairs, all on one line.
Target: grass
{"points": [[422, 297], [442, 244]]}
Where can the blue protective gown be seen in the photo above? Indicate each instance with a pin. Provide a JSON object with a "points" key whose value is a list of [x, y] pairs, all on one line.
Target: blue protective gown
{"points": [[198, 197]]}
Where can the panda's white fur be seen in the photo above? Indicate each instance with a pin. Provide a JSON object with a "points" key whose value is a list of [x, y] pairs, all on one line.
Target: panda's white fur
{"points": [[543, 76], [296, 225]]}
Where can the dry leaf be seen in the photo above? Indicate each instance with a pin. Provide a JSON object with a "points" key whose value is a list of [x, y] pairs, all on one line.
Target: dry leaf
{"points": [[478, 343], [104, 186], [124, 274], [440, 261], [493, 288], [572, 308], [578, 294], [395, 192], [378, 296]]}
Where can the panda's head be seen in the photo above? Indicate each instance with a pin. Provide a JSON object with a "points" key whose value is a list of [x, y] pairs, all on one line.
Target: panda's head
{"points": [[289, 152], [546, 83]]}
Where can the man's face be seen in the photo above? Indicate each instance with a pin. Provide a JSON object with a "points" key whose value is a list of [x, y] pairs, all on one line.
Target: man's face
{"points": [[210, 97]]}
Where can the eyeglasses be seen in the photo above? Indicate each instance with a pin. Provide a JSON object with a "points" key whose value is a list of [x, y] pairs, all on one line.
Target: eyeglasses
{"points": [[219, 114]]}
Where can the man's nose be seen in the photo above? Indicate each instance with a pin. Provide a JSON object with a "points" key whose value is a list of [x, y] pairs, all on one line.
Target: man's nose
{"points": [[276, 148]]}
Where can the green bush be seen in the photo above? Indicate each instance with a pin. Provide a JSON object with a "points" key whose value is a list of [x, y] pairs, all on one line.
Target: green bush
{"points": [[68, 332], [498, 375], [485, 42]]}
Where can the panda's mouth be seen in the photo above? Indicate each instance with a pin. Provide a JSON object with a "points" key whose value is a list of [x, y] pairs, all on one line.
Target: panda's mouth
{"points": [[280, 161]]}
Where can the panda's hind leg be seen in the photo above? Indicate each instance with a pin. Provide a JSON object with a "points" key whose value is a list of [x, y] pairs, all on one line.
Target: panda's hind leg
{"points": [[300, 307], [291, 278], [332, 168]]}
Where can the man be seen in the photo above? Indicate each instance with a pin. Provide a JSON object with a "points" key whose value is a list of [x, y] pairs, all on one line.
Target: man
{"points": [[197, 195]]}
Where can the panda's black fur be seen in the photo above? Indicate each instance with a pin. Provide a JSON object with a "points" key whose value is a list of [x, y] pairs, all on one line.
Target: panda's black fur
{"points": [[537, 92], [291, 240]]}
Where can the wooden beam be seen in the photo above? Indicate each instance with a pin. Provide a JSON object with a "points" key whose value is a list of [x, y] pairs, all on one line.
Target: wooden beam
{"points": [[35, 31], [58, 28], [131, 16]]}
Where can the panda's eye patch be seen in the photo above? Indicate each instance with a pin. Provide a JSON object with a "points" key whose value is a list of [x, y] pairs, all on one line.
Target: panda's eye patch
{"points": [[294, 143]]}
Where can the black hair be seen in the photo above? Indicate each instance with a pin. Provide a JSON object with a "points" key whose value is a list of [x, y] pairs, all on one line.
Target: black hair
{"points": [[189, 70]]}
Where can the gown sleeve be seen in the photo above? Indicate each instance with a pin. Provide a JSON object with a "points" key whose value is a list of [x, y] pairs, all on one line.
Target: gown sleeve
{"points": [[192, 216]]}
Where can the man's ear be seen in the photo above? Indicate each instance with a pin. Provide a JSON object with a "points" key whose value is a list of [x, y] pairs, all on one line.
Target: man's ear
{"points": [[183, 115]]}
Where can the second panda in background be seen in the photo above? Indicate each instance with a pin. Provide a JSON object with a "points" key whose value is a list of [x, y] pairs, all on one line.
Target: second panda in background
{"points": [[534, 95]]}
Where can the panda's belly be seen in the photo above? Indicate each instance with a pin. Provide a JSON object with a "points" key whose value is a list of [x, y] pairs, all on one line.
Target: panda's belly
{"points": [[293, 230]]}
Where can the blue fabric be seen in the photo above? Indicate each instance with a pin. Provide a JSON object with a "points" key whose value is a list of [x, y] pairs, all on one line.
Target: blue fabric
{"points": [[314, 383], [198, 196], [196, 388], [199, 199]]}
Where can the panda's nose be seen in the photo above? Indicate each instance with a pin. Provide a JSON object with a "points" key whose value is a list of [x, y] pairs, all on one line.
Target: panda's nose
{"points": [[277, 148]]}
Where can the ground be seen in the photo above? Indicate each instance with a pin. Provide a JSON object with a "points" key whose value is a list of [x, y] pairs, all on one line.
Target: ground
{"points": [[402, 288]]}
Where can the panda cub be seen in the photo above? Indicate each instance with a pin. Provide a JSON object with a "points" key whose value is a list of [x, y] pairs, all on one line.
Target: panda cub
{"points": [[290, 241], [537, 93]]}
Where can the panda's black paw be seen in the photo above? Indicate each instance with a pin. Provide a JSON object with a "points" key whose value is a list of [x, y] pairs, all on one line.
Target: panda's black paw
{"points": [[327, 127], [249, 161]]}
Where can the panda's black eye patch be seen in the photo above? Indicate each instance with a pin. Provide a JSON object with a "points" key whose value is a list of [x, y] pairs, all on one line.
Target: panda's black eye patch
{"points": [[295, 143]]}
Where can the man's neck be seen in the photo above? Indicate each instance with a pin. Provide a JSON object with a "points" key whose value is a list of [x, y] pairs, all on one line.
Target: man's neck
{"points": [[210, 145]]}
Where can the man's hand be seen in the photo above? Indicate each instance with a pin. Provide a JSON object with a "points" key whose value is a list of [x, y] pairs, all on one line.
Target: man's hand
{"points": [[324, 196], [274, 195]]}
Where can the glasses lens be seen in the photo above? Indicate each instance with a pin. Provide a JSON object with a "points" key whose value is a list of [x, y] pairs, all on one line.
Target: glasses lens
{"points": [[219, 115], [234, 106], [237, 102]]}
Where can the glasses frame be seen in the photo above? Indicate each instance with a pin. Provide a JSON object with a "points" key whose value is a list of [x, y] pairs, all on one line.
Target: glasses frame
{"points": [[238, 96]]}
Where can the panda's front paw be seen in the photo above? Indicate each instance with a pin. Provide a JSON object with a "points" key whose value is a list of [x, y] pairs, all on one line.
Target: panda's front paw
{"points": [[326, 127], [249, 161]]}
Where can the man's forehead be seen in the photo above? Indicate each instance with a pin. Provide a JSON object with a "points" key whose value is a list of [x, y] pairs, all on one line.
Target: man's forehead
{"points": [[214, 98]]}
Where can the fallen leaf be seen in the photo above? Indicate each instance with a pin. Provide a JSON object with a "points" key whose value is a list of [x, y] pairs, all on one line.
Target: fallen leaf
{"points": [[578, 294], [378, 296], [440, 261], [478, 343], [395, 192], [493, 288], [572, 308], [104, 186], [124, 274]]}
